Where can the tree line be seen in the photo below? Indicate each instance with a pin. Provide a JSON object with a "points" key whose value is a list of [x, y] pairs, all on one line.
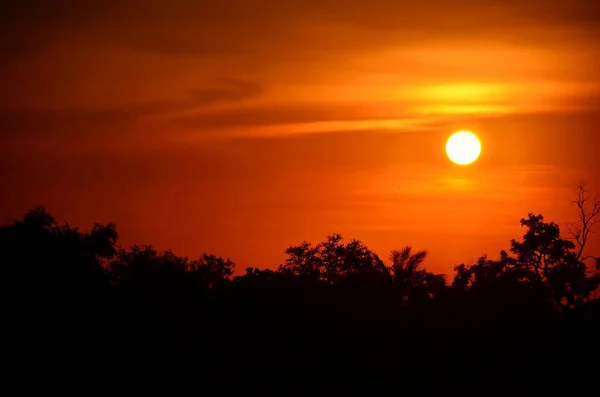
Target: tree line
{"points": [[334, 304]]}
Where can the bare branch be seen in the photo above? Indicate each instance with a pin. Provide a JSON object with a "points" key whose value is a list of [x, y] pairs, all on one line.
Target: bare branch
{"points": [[588, 214]]}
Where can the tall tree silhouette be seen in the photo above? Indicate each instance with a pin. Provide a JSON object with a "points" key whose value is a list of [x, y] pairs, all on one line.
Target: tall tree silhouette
{"points": [[542, 262], [555, 263]]}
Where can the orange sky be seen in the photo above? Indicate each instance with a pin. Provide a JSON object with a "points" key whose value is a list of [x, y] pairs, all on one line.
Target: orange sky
{"points": [[241, 127]]}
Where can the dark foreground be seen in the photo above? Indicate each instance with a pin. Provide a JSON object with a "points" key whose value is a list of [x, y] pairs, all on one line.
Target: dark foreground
{"points": [[250, 346]]}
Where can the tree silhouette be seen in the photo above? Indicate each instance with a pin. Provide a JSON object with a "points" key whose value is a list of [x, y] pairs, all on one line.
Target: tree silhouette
{"points": [[542, 262], [303, 261], [211, 271], [39, 254], [142, 264], [484, 274], [588, 212], [554, 261], [411, 283], [494, 285], [57, 294], [332, 261]]}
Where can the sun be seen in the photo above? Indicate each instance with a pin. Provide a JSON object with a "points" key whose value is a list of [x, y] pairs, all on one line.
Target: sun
{"points": [[463, 147]]}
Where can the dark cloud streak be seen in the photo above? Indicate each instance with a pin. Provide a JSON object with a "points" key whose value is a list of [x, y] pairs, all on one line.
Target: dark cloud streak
{"points": [[232, 90], [26, 123]]}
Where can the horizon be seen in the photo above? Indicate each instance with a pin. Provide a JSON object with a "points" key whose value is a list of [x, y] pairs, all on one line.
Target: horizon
{"points": [[240, 268]]}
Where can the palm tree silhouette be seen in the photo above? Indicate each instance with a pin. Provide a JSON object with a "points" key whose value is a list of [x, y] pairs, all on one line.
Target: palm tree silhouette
{"points": [[411, 282]]}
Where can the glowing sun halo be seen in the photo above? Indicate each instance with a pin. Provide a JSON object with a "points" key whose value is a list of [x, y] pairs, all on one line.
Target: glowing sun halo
{"points": [[463, 147]]}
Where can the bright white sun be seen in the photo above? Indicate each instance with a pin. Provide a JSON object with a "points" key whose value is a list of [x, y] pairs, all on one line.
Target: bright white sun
{"points": [[463, 147]]}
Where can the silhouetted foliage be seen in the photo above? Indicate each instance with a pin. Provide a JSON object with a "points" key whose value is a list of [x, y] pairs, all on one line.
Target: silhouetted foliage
{"points": [[542, 262], [332, 261], [334, 306], [37, 253], [411, 283], [143, 264]]}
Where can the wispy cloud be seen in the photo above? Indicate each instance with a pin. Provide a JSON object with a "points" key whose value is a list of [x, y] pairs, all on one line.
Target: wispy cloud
{"points": [[24, 122]]}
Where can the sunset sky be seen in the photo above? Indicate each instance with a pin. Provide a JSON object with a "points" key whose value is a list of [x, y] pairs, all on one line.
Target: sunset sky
{"points": [[240, 127]]}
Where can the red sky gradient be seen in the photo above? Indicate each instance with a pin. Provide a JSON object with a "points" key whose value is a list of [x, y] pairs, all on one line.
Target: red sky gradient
{"points": [[242, 127]]}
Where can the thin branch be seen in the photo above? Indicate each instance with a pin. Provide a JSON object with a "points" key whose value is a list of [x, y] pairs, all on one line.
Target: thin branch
{"points": [[588, 218]]}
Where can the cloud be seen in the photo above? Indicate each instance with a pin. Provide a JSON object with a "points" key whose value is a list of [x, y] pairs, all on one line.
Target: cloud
{"points": [[387, 62], [279, 28], [276, 114], [22, 122]]}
